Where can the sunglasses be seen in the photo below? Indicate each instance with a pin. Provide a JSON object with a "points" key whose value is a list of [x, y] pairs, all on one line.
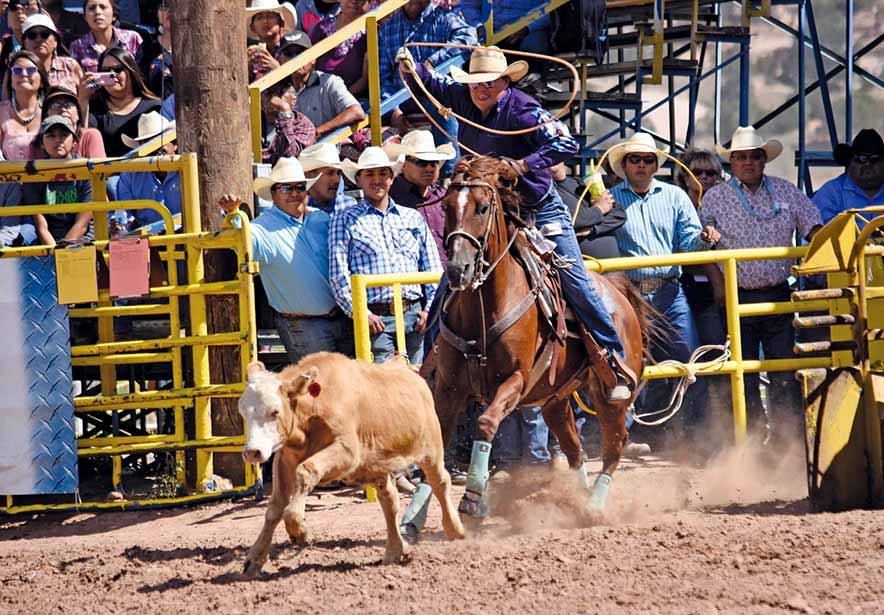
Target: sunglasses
{"points": [[867, 158], [636, 159], [20, 71], [61, 105], [289, 188], [423, 163], [34, 34], [485, 84], [706, 172], [115, 69], [743, 156]]}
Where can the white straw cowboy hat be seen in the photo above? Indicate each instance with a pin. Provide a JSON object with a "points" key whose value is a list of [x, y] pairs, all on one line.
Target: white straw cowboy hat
{"points": [[372, 158], [639, 143], [318, 156], [419, 144], [488, 64], [745, 139], [150, 125], [285, 171], [285, 10]]}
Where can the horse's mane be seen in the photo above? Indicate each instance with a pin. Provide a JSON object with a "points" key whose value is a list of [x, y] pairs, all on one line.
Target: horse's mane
{"points": [[497, 173]]}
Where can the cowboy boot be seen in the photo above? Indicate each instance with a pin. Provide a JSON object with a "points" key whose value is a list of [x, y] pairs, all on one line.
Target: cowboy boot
{"points": [[615, 377], [626, 381]]}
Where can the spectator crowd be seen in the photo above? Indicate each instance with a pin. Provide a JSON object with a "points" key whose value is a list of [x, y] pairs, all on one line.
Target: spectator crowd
{"points": [[97, 82]]}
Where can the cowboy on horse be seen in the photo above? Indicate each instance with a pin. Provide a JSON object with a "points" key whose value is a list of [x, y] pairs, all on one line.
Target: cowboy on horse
{"points": [[494, 104]]}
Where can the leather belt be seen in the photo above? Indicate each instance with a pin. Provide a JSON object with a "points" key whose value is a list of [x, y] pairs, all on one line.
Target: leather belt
{"points": [[653, 284], [333, 314], [386, 309]]}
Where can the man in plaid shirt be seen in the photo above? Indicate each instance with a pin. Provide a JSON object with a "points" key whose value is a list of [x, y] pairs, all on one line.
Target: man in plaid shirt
{"points": [[378, 236]]}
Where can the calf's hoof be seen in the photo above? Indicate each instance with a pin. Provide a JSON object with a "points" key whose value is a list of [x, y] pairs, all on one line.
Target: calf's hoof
{"points": [[252, 569], [396, 557], [299, 540]]}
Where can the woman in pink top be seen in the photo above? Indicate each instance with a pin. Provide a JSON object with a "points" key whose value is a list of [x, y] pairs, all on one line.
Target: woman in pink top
{"points": [[21, 114], [42, 38], [349, 60], [89, 142]]}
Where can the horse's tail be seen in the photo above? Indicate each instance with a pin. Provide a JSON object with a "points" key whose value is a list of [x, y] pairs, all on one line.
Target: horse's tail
{"points": [[653, 323]]}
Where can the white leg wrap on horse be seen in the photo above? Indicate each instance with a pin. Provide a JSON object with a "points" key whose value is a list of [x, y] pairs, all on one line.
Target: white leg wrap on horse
{"points": [[599, 496], [477, 476], [583, 477]]}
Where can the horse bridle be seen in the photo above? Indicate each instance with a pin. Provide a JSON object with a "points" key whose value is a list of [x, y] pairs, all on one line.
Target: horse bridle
{"points": [[482, 268]]}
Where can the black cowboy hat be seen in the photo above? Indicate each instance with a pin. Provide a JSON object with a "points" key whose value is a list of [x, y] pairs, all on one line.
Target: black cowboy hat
{"points": [[866, 141]]}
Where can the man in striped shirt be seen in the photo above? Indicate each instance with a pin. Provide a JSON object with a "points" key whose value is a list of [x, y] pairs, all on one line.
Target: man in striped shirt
{"points": [[660, 220], [378, 236]]}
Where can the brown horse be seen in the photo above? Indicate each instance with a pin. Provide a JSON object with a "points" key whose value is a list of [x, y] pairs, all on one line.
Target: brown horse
{"points": [[491, 342]]}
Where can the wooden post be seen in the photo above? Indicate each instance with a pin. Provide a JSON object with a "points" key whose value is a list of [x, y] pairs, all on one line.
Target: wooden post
{"points": [[211, 108]]}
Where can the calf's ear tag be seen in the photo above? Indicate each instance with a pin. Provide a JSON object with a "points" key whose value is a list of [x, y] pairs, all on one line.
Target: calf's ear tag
{"points": [[314, 389]]}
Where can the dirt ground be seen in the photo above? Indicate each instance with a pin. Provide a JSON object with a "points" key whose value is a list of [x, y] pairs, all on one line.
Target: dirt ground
{"points": [[736, 537]]}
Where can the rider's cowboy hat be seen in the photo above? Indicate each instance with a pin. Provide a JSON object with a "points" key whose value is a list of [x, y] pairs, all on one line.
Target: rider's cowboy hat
{"points": [[372, 158], [318, 156], [866, 141], [285, 171], [746, 139], [285, 10], [150, 125], [488, 64], [419, 144], [639, 143]]}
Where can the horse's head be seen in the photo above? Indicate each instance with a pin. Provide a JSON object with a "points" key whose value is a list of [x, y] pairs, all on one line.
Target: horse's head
{"points": [[475, 226]]}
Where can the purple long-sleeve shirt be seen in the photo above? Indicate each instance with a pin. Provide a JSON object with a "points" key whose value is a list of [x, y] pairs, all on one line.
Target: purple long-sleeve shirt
{"points": [[540, 149]]}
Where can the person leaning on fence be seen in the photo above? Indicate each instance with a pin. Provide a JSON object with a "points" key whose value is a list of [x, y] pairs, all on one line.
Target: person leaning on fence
{"points": [[660, 220], [861, 184], [755, 210], [290, 243], [379, 236], [485, 96], [418, 185], [322, 97]]}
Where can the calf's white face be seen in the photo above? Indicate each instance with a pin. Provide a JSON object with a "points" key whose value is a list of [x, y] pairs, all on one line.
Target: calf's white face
{"points": [[260, 406]]}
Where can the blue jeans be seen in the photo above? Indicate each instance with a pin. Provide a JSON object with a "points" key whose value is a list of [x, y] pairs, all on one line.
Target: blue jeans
{"points": [[383, 345], [521, 438], [682, 340], [305, 336], [582, 295]]}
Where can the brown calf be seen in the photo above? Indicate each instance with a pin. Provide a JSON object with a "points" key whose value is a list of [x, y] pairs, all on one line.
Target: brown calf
{"points": [[331, 418]]}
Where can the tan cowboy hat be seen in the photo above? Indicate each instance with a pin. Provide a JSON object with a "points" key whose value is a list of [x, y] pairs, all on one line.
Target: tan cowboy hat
{"points": [[419, 144], [372, 158], [488, 64], [318, 156], [284, 10], [746, 138], [639, 143], [285, 171], [150, 125]]}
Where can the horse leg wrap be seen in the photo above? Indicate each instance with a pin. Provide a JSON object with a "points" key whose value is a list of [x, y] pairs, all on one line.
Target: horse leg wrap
{"points": [[474, 502], [583, 478], [415, 515], [599, 496], [477, 476]]}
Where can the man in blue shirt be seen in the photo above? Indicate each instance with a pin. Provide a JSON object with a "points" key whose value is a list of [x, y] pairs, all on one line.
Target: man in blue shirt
{"points": [[322, 162], [660, 220], [862, 183], [290, 242], [421, 21], [379, 236], [485, 97]]}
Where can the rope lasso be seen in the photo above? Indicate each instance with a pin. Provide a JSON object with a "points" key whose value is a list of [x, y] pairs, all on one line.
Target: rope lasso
{"points": [[447, 112]]}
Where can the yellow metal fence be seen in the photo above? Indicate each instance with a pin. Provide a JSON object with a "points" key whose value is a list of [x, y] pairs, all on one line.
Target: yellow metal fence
{"points": [[190, 336]]}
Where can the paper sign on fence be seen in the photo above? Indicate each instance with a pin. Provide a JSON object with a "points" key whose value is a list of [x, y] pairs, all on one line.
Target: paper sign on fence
{"points": [[129, 267], [76, 274]]}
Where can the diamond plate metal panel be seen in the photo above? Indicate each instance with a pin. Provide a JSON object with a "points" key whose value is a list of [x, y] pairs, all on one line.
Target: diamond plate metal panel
{"points": [[50, 386]]}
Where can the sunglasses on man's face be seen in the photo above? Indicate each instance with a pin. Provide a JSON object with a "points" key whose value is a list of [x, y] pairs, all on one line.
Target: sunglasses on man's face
{"points": [[867, 158], [34, 34], [636, 159], [485, 84], [754, 156], [423, 163], [19, 71], [289, 188]]}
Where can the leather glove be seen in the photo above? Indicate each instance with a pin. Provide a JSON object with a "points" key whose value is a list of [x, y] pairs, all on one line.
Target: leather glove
{"points": [[404, 57]]}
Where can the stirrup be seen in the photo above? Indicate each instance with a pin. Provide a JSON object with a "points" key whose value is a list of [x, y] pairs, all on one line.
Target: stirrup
{"points": [[626, 380]]}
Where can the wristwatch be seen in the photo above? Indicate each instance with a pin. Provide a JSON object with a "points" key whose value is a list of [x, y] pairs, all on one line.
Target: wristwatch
{"points": [[286, 115]]}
